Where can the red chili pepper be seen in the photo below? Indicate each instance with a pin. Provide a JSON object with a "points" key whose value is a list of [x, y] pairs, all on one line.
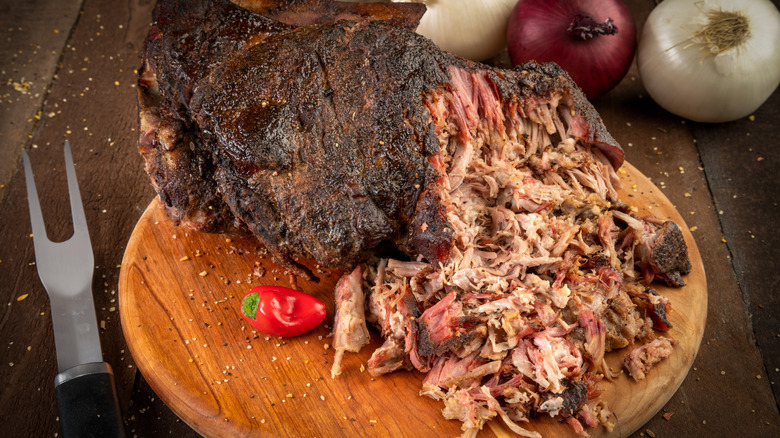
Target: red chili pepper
{"points": [[281, 311]]}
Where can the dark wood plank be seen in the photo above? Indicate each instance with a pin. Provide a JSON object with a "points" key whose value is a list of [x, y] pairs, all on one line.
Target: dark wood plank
{"points": [[740, 159], [148, 416], [33, 34], [92, 99]]}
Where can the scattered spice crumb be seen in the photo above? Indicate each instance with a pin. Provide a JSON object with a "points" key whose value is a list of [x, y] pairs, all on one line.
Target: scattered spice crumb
{"points": [[666, 416], [21, 297]]}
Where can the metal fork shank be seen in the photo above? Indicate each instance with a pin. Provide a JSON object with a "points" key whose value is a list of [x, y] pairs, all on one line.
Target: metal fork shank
{"points": [[66, 270], [75, 327]]}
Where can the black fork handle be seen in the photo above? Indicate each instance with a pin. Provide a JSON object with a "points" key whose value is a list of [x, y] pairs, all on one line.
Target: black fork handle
{"points": [[87, 402]]}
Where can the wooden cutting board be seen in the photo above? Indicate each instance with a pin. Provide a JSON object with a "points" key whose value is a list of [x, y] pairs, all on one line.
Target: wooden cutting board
{"points": [[179, 298]]}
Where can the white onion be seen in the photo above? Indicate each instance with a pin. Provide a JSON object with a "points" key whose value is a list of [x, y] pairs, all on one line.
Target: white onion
{"points": [[472, 29], [690, 80]]}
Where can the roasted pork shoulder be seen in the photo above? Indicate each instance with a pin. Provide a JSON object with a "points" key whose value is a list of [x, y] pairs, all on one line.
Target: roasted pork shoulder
{"points": [[336, 134]]}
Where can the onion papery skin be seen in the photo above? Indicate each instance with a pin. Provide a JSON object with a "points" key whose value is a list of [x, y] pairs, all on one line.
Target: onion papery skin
{"points": [[538, 31], [688, 82]]}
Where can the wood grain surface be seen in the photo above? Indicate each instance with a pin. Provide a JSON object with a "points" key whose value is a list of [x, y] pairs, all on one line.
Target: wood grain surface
{"points": [[179, 298]]}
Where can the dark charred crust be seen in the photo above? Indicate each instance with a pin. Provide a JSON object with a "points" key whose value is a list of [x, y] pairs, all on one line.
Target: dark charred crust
{"points": [[658, 315], [652, 304], [430, 233], [595, 261], [416, 281], [353, 171], [178, 162], [428, 348], [309, 12], [574, 397], [180, 170], [670, 255], [412, 307]]}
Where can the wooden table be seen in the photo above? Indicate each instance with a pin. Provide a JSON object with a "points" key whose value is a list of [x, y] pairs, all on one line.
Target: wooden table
{"points": [[67, 71]]}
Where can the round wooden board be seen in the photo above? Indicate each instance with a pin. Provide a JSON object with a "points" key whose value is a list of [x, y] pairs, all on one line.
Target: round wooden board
{"points": [[179, 298]]}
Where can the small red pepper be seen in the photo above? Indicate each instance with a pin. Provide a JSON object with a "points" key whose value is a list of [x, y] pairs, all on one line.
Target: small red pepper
{"points": [[281, 311]]}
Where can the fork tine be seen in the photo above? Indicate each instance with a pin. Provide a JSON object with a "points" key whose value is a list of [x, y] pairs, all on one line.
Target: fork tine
{"points": [[76, 207], [36, 217]]}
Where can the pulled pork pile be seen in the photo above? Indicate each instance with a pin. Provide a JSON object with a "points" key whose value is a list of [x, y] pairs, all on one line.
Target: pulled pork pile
{"points": [[548, 271]]}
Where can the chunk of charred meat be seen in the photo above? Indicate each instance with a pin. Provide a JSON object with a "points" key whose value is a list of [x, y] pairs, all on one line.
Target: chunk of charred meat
{"points": [[669, 255], [655, 305], [663, 253], [440, 329], [391, 356], [567, 402], [350, 332]]}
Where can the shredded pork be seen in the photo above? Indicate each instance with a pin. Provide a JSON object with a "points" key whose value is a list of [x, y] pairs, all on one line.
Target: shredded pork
{"points": [[548, 270], [642, 359], [349, 328]]}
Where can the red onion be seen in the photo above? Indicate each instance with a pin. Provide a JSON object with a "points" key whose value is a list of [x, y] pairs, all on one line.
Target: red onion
{"points": [[593, 40]]}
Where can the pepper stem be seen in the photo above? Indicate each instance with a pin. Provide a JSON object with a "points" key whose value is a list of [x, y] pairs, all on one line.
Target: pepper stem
{"points": [[249, 305], [586, 28]]}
